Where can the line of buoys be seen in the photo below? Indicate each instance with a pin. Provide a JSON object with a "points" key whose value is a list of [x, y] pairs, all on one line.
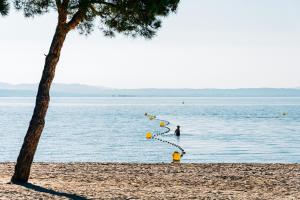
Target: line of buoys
{"points": [[176, 156]]}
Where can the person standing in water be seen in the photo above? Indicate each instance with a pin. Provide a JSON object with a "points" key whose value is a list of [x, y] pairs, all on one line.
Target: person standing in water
{"points": [[177, 131]]}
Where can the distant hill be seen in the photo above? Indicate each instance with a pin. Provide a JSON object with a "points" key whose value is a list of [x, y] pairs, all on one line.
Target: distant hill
{"points": [[57, 89], [79, 90], [250, 92]]}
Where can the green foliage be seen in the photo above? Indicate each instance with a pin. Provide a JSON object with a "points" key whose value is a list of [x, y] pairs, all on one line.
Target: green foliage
{"points": [[34, 7], [4, 7], [130, 17]]}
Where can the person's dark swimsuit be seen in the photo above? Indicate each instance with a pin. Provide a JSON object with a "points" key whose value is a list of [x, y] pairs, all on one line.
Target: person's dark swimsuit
{"points": [[177, 132]]}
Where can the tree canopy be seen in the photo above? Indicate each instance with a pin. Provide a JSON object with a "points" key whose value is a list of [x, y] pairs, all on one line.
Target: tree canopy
{"points": [[130, 17], [4, 7]]}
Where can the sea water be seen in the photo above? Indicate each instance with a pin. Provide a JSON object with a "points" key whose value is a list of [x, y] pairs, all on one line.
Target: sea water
{"points": [[112, 129]]}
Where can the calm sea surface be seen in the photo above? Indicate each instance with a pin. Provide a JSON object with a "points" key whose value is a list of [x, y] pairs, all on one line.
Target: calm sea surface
{"points": [[113, 129]]}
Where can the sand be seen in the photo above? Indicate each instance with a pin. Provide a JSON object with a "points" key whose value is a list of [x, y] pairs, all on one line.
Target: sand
{"points": [[154, 181]]}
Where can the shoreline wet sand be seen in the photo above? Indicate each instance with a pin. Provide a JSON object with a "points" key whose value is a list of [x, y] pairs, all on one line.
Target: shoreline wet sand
{"points": [[154, 181]]}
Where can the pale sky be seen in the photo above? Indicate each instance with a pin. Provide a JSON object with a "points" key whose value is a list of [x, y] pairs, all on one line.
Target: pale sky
{"points": [[207, 44]]}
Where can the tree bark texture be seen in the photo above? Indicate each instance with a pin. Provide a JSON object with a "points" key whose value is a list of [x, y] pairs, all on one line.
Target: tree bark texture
{"points": [[25, 158]]}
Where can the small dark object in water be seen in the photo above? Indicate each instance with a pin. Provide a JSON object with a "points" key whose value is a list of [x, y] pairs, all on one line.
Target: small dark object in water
{"points": [[177, 131]]}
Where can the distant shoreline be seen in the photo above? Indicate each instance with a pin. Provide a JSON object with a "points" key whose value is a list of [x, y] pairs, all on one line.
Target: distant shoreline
{"points": [[160, 93], [79, 90], [154, 181]]}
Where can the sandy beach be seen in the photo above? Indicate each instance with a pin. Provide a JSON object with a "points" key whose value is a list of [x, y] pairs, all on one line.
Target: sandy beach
{"points": [[154, 181]]}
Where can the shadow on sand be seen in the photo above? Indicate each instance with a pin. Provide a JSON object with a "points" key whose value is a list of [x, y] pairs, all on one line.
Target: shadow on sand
{"points": [[52, 192]]}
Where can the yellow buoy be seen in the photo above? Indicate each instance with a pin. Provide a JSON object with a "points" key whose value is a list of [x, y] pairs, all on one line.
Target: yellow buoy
{"points": [[151, 117], [176, 156], [148, 135], [162, 124]]}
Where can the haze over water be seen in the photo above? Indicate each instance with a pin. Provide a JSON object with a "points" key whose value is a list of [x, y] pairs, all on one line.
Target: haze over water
{"points": [[112, 129]]}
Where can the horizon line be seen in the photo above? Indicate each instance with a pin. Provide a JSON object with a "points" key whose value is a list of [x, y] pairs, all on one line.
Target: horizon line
{"points": [[162, 88]]}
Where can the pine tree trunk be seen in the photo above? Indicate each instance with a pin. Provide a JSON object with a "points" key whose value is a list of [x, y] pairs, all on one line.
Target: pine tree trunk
{"points": [[25, 158]]}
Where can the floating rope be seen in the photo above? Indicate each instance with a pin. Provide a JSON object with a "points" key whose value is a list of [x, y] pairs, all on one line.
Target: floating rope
{"points": [[164, 124]]}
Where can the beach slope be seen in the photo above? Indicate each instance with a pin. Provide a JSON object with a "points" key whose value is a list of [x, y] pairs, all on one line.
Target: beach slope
{"points": [[154, 181]]}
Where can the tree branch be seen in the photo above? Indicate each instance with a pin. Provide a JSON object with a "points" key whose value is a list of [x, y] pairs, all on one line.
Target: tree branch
{"points": [[103, 2], [65, 3], [96, 2], [76, 19], [95, 11], [58, 4]]}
